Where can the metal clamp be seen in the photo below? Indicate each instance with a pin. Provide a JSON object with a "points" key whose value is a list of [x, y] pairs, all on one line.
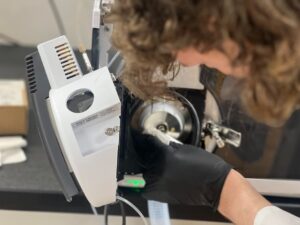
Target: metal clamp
{"points": [[222, 134]]}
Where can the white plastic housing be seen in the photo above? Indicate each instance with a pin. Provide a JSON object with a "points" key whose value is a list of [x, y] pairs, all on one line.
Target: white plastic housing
{"points": [[90, 151], [59, 62]]}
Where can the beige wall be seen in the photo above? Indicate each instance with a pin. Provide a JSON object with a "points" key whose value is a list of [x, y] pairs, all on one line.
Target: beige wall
{"points": [[31, 21]]}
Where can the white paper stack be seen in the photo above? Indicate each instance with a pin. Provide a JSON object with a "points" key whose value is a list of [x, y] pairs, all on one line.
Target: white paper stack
{"points": [[11, 150], [159, 213]]}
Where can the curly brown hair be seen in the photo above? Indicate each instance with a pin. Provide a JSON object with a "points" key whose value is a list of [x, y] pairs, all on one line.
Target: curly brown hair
{"points": [[150, 32]]}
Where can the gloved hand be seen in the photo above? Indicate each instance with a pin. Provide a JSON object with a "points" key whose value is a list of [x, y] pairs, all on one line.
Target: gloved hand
{"points": [[180, 174]]}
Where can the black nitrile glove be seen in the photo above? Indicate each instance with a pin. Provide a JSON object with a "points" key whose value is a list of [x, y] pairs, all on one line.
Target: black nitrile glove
{"points": [[180, 174]]}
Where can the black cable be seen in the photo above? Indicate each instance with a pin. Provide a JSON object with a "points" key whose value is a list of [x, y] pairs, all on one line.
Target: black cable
{"points": [[123, 213], [57, 17], [106, 213], [95, 48], [10, 40]]}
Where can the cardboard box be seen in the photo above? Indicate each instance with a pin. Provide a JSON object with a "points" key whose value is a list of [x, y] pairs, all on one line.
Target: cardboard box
{"points": [[13, 107]]}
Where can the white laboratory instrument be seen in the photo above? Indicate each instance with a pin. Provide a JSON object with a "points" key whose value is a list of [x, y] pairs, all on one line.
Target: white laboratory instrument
{"points": [[84, 112]]}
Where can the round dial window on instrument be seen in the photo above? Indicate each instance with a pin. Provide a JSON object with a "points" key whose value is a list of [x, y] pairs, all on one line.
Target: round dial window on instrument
{"points": [[80, 101]]}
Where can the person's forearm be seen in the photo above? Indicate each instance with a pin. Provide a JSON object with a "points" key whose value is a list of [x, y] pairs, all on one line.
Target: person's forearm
{"points": [[239, 201]]}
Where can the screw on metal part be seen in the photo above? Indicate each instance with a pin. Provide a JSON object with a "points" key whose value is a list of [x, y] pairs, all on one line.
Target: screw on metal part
{"points": [[162, 127]]}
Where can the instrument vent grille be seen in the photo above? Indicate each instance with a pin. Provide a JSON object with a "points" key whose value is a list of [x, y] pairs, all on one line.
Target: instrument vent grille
{"points": [[67, 61], [30, 74]]}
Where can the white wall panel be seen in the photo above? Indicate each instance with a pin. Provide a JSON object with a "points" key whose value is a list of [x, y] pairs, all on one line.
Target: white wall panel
{"points": [[32, 21]]}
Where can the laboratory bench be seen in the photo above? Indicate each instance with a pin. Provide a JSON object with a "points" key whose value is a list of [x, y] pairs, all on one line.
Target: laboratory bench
{"points": [[32, 185]]}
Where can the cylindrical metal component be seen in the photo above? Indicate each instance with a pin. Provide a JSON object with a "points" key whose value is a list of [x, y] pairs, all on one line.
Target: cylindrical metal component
{"points": [[170, 117]]}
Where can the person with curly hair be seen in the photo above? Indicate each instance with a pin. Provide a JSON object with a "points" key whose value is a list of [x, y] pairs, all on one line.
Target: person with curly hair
{"points": [[257, 41]]}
